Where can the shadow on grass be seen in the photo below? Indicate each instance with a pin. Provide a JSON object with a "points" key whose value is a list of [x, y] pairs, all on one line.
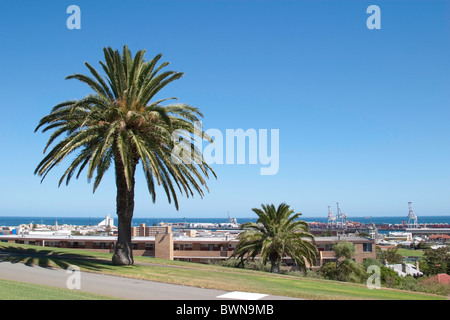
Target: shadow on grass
{"points": [[50, 258]]}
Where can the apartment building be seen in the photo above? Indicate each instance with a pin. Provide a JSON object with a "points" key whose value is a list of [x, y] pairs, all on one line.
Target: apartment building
{"points": [[149, 231]]}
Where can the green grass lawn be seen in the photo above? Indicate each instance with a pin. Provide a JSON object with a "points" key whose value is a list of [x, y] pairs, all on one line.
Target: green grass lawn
{"points": [[205, 276], [15, 290], [410, 253]]}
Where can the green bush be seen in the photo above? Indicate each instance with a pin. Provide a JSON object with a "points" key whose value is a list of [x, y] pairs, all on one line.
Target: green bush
{"points": [[408, 283], [433, 287], [389, 277], [347, 271]]}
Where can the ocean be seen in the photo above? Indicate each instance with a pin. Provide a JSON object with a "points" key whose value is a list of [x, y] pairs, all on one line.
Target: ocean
{"points": [[86, 221]]}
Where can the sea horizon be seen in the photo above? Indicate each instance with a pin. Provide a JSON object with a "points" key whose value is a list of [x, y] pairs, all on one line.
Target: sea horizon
{"points": [[94, 220]]}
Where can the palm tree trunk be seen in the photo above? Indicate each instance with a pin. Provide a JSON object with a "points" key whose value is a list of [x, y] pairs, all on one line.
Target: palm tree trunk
{"points": [[123, 251], [275, 264]]}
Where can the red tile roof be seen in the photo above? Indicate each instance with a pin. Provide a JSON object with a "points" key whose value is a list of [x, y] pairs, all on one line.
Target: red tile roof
{"points": [[440, 278], [437, 236]]}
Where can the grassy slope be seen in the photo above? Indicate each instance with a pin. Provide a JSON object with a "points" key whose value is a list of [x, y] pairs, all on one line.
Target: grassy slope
{"points": [[15, 290], [205, 276]]}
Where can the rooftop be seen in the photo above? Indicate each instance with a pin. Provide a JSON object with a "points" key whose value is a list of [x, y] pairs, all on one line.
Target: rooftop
{"points": [[437, 236], [440, 278]]}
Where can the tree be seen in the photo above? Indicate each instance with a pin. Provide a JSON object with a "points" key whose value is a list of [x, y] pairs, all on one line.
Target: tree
{"points": [[422, 245], [392, 256], [344, 268], [344, 250], [277, 233], [120, 124], [436, 261]]}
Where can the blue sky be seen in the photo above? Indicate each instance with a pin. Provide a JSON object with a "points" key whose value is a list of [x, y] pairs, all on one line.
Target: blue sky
{"points": [[363, 114]]}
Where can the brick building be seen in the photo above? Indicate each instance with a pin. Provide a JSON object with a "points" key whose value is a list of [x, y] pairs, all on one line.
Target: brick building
{"points": [[165, 245], [151, 231]]}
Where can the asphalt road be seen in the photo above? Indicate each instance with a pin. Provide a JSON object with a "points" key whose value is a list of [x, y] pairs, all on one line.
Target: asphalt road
{"points": [[119, 287]]}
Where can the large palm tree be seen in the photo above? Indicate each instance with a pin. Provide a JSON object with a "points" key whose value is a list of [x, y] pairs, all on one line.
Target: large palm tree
{"points": [[120, 124], [277, 233]]}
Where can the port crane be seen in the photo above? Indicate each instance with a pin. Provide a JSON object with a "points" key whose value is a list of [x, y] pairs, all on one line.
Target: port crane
{"points": [[339, 221], [331, 218], [341, 218], [412, 218]]}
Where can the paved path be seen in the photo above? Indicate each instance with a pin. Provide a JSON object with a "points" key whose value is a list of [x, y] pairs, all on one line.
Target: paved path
{"points": [[119, 287]]}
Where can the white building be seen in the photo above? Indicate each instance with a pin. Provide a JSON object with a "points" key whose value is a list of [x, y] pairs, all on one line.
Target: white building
{"points": [[404, 269], [399, 236], [107, 222]]}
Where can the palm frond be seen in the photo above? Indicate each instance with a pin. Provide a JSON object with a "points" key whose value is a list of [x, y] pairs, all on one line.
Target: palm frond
{"points": [[120, 123], [277, 233]]}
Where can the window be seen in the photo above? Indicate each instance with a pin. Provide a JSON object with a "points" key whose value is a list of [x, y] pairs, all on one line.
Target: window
{"points": [[178, 246], [324, 247], [183, 259], [367, 247]]}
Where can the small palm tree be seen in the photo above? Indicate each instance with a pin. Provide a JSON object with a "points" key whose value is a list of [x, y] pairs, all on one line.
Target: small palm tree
{"points": [[120, 125], [277, 233]]}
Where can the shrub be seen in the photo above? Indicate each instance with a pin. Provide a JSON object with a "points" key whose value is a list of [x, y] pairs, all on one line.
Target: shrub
{"points": [[428, 285], [408, 283]]}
